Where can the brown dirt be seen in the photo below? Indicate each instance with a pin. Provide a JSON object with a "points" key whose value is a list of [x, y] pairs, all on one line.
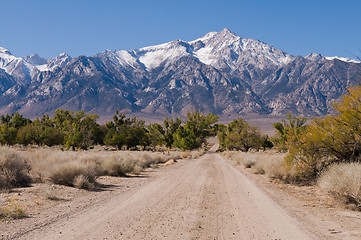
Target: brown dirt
{"points": [[205, 198]]}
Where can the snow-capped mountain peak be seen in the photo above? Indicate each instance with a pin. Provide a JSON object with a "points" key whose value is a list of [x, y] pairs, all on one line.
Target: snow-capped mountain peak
{"points": [[227, 50], [319, 57], [222, 49], [5, 51], [60, 61], [344, 59], [14, 66], [35, 59], [315, 57]]}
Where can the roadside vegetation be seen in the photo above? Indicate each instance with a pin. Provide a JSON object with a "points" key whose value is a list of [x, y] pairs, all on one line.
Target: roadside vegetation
{"points": [[324, 151], [20, 167]]}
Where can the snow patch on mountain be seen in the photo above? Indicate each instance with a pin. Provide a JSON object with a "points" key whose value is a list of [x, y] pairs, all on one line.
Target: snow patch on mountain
{"points": [[154, 56], [205, 55], [125, 58], [43, 67], [344, 59]]}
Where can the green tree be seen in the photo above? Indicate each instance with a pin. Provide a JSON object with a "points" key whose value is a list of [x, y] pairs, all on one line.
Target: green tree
{"points": [[289, 130], [195, 131], [115, 138], [185, 139], [239, 135], [170, 127], [79, 129], [126, 131], [7, 134], [156, 135], [10, 124]]}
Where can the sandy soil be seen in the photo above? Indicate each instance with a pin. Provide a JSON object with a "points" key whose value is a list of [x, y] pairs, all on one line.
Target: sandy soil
{"points": [[205, 198]]}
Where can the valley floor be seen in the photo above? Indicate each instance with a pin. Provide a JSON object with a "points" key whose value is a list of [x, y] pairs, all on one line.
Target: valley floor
{"points": [[204, 198]]}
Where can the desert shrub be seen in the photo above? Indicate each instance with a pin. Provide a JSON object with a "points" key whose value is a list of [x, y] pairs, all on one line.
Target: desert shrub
{"points": [[186, 154], [343, 182], [13, 170], [72, 173], [12, 211], [83, 182], [278, 170], [197, 153], [249, 161], [258, 169], [118, 165], [51, 193]]}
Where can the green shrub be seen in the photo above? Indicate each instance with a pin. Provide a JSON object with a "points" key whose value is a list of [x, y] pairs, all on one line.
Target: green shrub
{"points": [[328, 140]]}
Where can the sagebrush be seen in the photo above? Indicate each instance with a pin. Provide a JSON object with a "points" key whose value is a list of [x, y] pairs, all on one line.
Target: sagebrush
{"points": [[343, 182], [13, 169]]}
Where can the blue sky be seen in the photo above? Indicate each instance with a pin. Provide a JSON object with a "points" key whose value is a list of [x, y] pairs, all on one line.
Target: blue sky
{"points": [[88, 27]]}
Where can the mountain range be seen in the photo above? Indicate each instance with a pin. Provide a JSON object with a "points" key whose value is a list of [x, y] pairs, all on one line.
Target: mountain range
{"points": [[220, 73]]}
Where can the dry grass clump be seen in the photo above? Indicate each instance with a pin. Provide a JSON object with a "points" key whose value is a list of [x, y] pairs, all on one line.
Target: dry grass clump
{"points": [[259, 169], [13, 169], [154, 159], [12, 211], [119, 165], [249, 161], [343, 182], [75, 174], [277, 170], [186, 154], [192, 154], [197, 153], [64, 168], [241, 158], [50, 193], [270, 163]]}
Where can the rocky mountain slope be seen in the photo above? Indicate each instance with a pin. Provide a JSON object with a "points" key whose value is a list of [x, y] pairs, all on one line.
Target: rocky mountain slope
{"points": [[220, 73]]}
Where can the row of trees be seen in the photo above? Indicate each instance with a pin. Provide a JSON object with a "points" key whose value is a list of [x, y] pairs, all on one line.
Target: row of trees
{"points": [[73, 130], [80, 130]]}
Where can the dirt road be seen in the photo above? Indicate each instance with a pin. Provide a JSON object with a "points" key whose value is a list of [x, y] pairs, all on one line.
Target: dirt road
{"points": [[206, 198]]}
